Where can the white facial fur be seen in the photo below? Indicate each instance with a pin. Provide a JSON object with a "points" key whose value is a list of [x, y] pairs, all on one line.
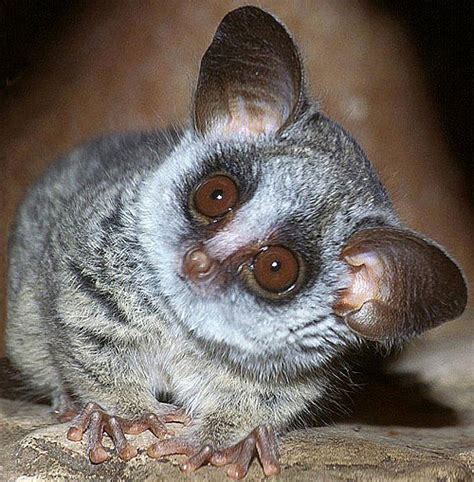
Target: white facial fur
{"points": [[235, 316]]}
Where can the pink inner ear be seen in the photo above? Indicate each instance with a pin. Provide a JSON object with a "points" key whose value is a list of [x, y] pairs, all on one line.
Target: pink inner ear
{"points": [[399, 285], [250, 119], [367, 273]]}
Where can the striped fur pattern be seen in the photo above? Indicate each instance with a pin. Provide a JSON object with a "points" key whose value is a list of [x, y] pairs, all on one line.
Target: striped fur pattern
{"points": [[99, 309]]}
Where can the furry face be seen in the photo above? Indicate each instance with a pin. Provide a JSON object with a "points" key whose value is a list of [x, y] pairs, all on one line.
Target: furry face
{"points": [[290, 194], [297, 182]]}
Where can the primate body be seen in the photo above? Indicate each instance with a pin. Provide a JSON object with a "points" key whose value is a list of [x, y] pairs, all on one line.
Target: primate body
{"points": [[218, 272]]}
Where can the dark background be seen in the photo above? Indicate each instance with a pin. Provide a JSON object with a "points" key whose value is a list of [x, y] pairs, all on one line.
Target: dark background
{"points": [[442, 32]]}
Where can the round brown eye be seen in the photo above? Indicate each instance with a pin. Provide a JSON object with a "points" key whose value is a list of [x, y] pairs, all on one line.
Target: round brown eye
{"points": [[276, 269], [216, 196]]}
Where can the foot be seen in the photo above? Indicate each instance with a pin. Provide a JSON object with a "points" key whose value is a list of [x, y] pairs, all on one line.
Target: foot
{"points": [[261, 443], [97, 422], [64, 409]]}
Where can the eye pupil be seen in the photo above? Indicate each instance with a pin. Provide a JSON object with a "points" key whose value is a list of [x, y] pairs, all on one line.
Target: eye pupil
{"points": [[275, 266], [217, 195]]}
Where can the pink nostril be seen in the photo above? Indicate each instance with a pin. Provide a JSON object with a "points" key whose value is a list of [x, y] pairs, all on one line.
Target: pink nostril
{"points": [[197, 264]]}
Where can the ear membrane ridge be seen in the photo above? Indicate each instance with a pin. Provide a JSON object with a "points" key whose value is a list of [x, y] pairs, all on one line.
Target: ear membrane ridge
{"points": [[401, 285], [251, 79]]}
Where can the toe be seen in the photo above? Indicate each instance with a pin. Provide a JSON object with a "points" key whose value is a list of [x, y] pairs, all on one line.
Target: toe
{"points": [[75, 434], [270, 469], [198, 460], [236, 471], [172, 446], [240, 467], [124, 449], [267, 449], [98, 454], [128, 452]]}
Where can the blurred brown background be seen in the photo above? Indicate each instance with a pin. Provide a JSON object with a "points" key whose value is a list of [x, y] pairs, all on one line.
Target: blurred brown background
{"points": [[394, 73]]}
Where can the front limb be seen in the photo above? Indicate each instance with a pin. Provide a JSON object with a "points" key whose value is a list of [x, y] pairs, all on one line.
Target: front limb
{"points": [[96, 422], [115, 402], [227, 437], [261, 442]]}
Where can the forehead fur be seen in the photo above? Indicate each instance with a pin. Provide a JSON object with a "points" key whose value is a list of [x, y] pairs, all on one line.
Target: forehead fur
{"points": [[312, 174]]}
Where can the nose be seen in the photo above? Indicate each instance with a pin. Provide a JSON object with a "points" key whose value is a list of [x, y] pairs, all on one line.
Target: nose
{"points": [[198, 265]]}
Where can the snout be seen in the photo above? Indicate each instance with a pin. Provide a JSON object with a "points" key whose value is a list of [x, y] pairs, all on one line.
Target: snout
{"points": [[199, 266]]}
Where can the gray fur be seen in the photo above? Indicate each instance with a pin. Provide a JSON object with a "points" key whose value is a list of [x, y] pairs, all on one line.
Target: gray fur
{"points": [[98, 308]]}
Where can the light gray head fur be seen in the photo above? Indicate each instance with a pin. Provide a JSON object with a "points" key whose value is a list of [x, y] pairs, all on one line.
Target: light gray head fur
{"points": [[304, 183]]}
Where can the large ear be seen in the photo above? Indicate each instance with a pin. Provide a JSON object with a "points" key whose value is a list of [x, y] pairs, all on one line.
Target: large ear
{"points": [[401, 285], [251, 79]]}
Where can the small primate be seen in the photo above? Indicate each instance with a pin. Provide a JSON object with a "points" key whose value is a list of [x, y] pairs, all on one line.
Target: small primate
{"points": [[216, 275]]}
